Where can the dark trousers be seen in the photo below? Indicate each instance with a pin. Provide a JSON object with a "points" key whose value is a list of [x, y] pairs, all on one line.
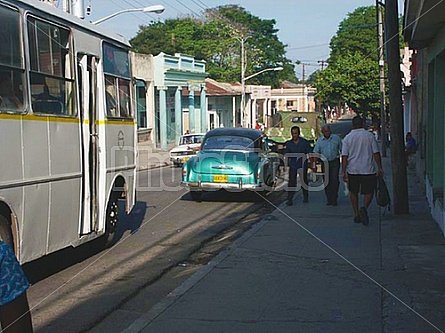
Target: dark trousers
{"points": [[332, 178], [293, 182]]}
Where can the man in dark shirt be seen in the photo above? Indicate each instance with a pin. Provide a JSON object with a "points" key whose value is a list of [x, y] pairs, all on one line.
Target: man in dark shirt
{"points": [[296, 154]]}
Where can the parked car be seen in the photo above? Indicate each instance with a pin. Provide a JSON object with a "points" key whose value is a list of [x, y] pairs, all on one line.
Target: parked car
{"points": [[187, 147], [232, 159]]}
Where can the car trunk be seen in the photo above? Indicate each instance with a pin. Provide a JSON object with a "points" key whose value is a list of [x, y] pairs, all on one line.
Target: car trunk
{"points": [[226, 162]]}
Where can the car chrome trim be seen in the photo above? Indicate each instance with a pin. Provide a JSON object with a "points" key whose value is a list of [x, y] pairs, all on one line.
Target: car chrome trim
{"points": [[222, 167], [209, 186]]}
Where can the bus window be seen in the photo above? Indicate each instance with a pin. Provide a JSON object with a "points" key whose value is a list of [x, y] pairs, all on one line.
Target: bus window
{"points": [[111, 97], [117, 82], [51, 76], [11, 63]]}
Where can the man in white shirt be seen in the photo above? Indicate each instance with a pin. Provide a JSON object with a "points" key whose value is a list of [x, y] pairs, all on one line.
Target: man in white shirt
{"points": [[359, 152]]}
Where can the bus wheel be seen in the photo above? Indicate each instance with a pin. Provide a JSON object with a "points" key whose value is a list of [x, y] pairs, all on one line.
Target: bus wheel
{"points": [[112, 219], [5, 231]]}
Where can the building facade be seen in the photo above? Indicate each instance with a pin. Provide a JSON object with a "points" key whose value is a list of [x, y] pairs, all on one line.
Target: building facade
{"points": [[424, 31], [179, 97], [142, 65]]}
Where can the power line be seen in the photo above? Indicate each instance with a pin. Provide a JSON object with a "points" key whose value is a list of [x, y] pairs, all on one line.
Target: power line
{"points": [[307, 47], [168, 4], [191, 10], [196, 3]]}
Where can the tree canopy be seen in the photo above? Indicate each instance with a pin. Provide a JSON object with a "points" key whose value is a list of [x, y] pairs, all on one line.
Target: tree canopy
{"points": [[352, 76], [217, 39]]}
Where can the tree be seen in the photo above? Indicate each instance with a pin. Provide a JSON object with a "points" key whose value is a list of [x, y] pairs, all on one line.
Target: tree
{"points": [[216, 39], [356, 33], [352, 76]]}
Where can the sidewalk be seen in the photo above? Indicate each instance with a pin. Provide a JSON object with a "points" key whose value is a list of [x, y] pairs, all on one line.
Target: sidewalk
{"points": [[149, 157], [310, 268]]}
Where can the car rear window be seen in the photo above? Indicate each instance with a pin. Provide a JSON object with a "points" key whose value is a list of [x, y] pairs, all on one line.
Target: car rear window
{"points": [[228, 142], [185, 140]]}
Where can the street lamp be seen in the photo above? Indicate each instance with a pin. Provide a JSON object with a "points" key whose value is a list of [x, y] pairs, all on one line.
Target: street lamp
{"points": [[262, 71], [158, 9], [243, 89]]}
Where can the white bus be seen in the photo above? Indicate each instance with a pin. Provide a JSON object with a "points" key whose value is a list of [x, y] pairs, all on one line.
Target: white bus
{"points": [[68, 135]]}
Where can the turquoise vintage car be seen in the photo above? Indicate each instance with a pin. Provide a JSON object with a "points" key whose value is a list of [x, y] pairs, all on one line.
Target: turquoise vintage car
{"points": [[233, 159]]}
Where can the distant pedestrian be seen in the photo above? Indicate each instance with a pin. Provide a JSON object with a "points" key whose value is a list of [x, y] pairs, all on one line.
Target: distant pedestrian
{"points": [[359, 152], [14, 309], [410, 146], [296, 154], [328, 148]]}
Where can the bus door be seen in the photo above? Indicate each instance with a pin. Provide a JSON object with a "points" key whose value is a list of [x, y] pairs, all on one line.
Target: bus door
{"points": [[87, 71]]}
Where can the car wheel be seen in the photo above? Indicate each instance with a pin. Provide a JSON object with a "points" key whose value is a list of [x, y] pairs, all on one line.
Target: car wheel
{"points": [[196, 195]]}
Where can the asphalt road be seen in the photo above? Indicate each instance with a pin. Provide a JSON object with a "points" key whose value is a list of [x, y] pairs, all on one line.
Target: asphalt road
{"points": [[164, 240]]}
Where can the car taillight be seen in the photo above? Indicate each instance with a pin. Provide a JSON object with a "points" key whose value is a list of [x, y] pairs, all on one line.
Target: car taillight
{"points": [[258, 174], [184, 172]]}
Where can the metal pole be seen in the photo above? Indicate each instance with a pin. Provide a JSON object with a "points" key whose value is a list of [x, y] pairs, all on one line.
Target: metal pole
{"points": [[243, 86], [382, 79]]}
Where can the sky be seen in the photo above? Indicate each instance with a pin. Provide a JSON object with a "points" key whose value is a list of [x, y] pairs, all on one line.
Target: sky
{"points": [[305, 26]]}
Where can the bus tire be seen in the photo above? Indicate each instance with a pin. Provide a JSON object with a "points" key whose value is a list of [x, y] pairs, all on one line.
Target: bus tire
{"points": [[5, 231], [112, 219]]}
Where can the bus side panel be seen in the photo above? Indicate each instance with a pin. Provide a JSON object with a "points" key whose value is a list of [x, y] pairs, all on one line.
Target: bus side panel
{"points": [[65, 167], [36, 215], [36, 149], [121, 155], [64, 212], [36, 196], [10, 150], [65, 148]]}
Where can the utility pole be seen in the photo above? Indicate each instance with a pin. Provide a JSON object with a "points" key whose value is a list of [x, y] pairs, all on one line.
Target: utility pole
{"points": [[382, 78], [398, 159], [322, 62], [243, 85], [303, 66]]}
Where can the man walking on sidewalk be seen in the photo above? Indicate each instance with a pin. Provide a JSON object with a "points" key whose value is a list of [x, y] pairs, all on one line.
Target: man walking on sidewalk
{"points": [[296, 154], [329, 148], [358, 170]]}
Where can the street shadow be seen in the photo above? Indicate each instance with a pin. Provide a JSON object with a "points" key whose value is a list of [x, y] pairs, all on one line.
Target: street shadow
{"points": [[53, 263], [223, 195], [131, 222]]}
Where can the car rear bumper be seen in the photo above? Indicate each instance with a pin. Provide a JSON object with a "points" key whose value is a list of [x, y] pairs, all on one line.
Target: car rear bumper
{"points": [[203, 186], [180, 159]]}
